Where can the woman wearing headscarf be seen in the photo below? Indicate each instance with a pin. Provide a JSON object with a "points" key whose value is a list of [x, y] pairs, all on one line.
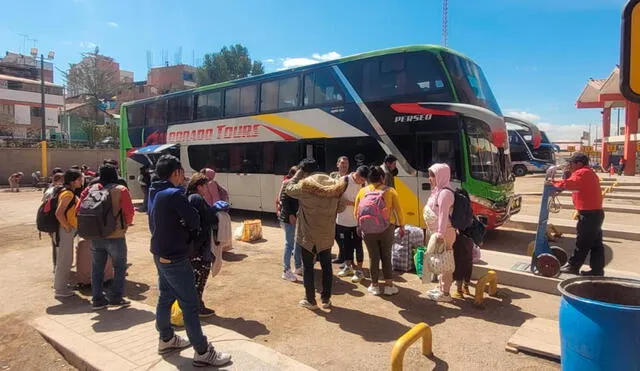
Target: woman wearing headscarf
{"points": [[214, 191], [436, 216]]}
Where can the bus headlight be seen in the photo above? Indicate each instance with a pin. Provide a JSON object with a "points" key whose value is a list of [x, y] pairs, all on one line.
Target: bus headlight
{"points": [[482, 201]]}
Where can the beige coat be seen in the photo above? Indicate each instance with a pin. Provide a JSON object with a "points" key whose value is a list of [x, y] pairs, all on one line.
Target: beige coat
{"points": [[319, 197]]}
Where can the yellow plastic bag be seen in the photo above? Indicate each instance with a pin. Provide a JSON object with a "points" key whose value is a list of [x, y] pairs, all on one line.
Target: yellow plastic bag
{"points": [[176, 315], [251, 230]]}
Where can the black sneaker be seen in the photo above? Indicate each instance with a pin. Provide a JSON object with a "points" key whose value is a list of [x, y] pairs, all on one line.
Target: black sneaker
{"points": [[591, 273], [206, 312], [338, 261], [119, 304], [98, 305], [570, 269]]}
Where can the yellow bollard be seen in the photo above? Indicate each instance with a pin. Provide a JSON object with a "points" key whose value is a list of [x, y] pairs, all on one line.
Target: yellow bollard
{"points": [[421, 330], [43, 157], [491, 278]]}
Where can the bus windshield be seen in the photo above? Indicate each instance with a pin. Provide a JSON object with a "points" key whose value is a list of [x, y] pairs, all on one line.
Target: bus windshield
{"points": [[486, 161], [470, 84]]}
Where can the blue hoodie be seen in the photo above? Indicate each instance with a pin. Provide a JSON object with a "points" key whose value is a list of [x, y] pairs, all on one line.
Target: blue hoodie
{"points": [[172, 221]]}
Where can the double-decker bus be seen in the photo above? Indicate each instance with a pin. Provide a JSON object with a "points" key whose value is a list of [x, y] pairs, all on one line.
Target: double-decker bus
{"points": [[424, 104], [529, 147]]}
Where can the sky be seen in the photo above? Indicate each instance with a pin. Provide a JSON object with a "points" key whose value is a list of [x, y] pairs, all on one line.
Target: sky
{"points": [[536, 54]]}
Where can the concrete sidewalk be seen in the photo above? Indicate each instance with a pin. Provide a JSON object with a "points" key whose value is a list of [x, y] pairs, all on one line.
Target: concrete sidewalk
{"points": [[126, 339]]}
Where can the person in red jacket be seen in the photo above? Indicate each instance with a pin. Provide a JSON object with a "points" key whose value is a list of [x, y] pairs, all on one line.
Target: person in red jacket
{"points": [[587, 199]]}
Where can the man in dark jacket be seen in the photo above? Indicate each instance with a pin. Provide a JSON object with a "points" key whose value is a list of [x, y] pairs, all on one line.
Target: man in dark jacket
{"points": [[172, 222], [287, 218]]}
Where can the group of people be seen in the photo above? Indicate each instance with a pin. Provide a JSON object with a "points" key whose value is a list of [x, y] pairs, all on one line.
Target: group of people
{"points": [[316, 209]]}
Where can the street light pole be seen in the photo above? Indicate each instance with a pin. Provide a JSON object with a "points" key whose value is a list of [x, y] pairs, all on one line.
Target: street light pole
{"points": [[43, 129]]}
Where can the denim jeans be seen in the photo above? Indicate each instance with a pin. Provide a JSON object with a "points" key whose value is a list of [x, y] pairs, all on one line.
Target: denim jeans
{"points": [[101, 249], [290, 247], [176, 282]]}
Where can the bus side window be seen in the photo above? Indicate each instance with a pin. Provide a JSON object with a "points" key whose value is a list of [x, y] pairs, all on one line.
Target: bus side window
{"points": [[321, 87]]}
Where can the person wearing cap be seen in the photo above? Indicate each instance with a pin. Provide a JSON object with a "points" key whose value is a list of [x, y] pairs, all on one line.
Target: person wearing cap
{"points": [[587, 199]]}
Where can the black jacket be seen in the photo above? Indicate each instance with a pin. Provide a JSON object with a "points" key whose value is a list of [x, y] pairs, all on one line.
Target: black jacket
{"points": [[288, 206], [172, 220], [201, 244]]}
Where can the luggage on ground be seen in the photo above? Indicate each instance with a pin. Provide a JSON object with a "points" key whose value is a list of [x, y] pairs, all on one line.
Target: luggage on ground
{"points": [[83, 264], [250, 230], [402, 250]]}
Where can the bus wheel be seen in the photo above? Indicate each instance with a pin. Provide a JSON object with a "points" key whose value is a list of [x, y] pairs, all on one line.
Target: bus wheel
{"points": [[520, 170]]}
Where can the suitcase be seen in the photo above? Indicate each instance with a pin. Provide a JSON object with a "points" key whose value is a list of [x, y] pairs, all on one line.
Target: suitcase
{"points": [[83, 264]]}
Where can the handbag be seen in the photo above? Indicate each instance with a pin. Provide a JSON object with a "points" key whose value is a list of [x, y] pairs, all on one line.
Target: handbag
{"points": [[438, 259]]}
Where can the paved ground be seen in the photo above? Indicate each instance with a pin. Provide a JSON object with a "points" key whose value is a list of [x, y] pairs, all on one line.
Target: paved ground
{"points": [[250, 298]]}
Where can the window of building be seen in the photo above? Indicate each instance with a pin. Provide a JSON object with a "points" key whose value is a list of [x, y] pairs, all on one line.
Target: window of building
{"points": [[321, 87], [8, 110], [209, 105], [141, 89], [36, 112], [248, 96], [232, 102], [188, 76], [14, 85], [157, 113], [180, 109]]}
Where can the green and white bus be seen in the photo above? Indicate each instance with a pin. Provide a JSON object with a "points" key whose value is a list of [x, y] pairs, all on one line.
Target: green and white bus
{"points": [[423, 104]]}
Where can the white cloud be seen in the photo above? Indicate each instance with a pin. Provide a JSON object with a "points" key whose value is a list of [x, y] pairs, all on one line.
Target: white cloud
{"points": [[528, 116], [88, 44], [288, 63], [268, 60], [112, 24]]}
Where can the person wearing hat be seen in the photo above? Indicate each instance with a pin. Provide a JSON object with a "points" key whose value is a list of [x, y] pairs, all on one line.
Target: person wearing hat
{"points": [[587, 199]]}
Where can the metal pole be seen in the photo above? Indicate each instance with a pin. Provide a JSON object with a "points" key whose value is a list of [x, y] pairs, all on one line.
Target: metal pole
{"points": [[43, 134]]}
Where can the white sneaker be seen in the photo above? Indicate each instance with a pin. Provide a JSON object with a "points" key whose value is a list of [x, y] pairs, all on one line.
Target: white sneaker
{"points": [[357, 276], [433, 290], [289, 276], [211, 358], [346, 271], [176, 342], [306, 304], [391, 290], [298, 271], [374, 290], [439, 297], [326, 305]]}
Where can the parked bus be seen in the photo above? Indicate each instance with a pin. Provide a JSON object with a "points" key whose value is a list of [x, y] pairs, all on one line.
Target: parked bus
{"points": [[423, 104], [529, 151]]}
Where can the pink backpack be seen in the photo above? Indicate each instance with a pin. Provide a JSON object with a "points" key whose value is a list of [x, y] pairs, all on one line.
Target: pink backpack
{"points": [[371, 215]]}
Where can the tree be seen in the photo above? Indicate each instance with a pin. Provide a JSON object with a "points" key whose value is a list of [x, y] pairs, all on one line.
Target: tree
{"points": [[230, 63], [97, 78]]}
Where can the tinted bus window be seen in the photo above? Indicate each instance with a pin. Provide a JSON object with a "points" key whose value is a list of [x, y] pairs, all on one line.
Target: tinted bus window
{"points": [[288, 93], [157, 113], [135, 116], [248, 95], [209, 105], [269, 96], [232, 102], [321, 87], [399, 75], [359, 150], [180, 109], [286, 155]]}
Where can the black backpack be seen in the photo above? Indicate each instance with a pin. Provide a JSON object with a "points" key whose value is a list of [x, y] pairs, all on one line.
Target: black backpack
{"points": [[95, 214], [46, 220], [462, 215]]}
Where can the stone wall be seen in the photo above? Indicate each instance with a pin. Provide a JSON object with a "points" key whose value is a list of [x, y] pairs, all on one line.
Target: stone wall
{"points": [[28, 160]]}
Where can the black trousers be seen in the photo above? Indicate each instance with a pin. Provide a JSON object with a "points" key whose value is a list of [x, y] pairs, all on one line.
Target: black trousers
{"points": [[589, 240], [349, 243], [324, 257], [463, 256]]}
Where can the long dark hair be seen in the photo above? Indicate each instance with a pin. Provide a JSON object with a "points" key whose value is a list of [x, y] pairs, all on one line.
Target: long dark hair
{"points": [[376, 174]]}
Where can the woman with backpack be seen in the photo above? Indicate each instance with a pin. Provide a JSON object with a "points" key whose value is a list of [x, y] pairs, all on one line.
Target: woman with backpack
{"points": [[201, 256], [437, 218], [377, 210], [68, 224]]}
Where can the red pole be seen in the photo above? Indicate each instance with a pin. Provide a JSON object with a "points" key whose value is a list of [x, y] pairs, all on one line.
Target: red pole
{"points": [[631, 127]]}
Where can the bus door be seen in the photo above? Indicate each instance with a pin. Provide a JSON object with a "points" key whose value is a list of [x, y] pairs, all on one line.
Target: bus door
{"points": [[431, 148]]}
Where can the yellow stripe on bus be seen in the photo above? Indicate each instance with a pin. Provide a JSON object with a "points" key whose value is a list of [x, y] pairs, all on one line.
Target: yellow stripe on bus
{"points": [[299, 129], [411, 206]]}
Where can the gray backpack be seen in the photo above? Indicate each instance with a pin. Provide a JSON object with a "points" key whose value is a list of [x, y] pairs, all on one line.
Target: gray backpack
{"points": [[95, 215]]}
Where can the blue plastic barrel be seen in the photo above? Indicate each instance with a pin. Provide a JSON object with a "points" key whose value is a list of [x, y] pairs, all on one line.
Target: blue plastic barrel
{"points": [[600, 324]]}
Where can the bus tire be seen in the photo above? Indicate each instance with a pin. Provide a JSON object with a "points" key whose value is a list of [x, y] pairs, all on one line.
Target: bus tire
{"points": [[519, 170]]}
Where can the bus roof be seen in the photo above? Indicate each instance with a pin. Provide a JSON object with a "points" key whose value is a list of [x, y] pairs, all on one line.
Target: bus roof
{"points": [[266, 76]]}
